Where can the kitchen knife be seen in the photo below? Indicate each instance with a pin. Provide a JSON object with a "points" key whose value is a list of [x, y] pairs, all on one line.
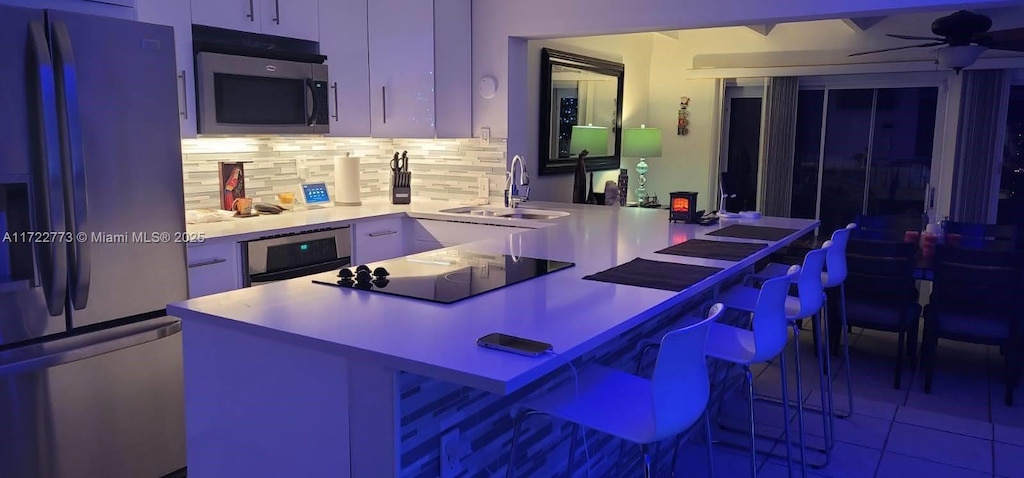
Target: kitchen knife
{"points": [[405, 161]]}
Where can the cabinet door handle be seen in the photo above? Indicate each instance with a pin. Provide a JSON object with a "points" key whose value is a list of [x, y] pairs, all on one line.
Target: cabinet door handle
{"points": [[335, 88], [277, 12], [252, 12], [384, 102], [207, 263], [382, 233], [184, 95]]}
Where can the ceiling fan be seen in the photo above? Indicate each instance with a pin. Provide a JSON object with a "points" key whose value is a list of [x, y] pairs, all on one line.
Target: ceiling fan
{"points": [[965, 36]]}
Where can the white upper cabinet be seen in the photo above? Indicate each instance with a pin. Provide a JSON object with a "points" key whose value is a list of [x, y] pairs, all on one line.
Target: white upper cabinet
{"points": [[284, 18], [292, 18], [401, 41], [343, 41], [241, 15], [453, 68], [175, 14], [104, 8]]}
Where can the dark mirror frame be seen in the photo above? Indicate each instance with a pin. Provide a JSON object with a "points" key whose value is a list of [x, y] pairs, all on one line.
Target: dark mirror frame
{"points": [[552, 166]]}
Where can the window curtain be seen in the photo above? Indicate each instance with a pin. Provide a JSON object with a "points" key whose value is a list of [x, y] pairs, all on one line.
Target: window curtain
{"points": [[778, 142], [979, 148]]}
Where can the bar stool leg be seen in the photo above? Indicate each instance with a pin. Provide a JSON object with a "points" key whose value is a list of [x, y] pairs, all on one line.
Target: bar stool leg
{"points": [[711, 450], [646, 457], [785, 413], [800, 401], [516, 431], [572, 448], [825, 376], [846, 351], [750, 411]]}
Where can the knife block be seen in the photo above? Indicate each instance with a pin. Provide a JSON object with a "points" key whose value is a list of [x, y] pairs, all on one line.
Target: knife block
{"points": [[401, 194]]}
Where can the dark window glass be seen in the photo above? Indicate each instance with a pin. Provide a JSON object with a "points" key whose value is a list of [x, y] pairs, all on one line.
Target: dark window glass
{"points": [[259, 100], [807, 152]]}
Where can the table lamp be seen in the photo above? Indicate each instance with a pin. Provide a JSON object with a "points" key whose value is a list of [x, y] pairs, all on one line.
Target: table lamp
{"points": [[586, 140], [642, 142]]}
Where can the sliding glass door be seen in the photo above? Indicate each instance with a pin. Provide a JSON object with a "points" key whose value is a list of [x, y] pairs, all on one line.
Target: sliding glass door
{"points": [[863, 151]]}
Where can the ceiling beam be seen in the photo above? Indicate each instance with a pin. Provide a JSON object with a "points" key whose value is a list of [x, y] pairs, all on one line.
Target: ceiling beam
{"points": [[763, 29], [862, 24]]}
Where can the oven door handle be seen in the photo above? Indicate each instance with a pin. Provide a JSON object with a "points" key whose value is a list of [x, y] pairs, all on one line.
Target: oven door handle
{"points": [[311, 86], [286, 274]]}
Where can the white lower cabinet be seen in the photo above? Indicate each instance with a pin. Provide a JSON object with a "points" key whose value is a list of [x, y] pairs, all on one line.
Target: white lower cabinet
{"points": [[377, 239], [213, 268]]}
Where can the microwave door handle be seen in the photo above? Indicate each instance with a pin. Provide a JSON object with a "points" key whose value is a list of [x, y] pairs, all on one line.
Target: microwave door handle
{"points": [[52, 256], [70, 121], [311, 103]]}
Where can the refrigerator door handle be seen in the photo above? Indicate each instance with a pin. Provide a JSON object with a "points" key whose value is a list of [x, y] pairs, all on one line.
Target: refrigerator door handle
{"points": [[95, 348], [52, 256], [71, 125]]}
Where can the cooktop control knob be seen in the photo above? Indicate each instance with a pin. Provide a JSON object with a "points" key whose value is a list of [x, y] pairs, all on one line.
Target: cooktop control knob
{"points": [[346, 274], [380, 282], [363, 276], [362, 268], [381, 272]]}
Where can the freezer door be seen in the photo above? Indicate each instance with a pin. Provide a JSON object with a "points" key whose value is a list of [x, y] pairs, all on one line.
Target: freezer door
{"points": [[117, 93], [33, 273], [107, 404]]}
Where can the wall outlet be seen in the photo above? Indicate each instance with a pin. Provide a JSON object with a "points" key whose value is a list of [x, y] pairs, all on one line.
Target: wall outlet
{"points": [[301, 170], [485, 135], [451, 454], [483, 187]]}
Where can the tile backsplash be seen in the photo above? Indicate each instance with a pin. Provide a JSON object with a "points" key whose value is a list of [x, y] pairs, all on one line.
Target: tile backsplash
{"points": [[442, 169]]}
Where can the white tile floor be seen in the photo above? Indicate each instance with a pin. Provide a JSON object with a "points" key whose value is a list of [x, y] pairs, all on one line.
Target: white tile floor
{"points": [[961, 429]]}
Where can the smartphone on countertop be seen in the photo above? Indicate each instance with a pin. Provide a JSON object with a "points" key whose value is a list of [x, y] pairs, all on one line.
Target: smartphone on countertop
{"points": [[516, 345]]}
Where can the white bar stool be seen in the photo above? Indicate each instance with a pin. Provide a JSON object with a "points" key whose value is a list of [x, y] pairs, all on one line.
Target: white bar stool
{"points": [[766, 340], [634, 409], [808, 304], [834, 277]]}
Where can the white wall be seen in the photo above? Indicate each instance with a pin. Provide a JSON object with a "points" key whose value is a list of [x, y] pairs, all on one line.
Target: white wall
{"points": [[500, 29]]}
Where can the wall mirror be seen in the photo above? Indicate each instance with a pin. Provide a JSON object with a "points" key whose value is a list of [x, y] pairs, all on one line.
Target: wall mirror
{"points": [[578, 90]]}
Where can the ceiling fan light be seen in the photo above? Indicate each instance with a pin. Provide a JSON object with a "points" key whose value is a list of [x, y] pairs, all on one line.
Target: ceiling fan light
{"points": [[959, 57]]}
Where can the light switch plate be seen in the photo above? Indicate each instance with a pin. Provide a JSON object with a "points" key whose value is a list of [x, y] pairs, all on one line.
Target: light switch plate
{"points": [[485, 135]]}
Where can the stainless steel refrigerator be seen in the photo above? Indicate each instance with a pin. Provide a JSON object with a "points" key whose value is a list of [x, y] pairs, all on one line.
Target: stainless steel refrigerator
{"points": [[90, 365]]}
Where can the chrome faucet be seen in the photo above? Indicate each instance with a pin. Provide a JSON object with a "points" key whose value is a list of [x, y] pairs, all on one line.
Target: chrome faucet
{"points": [[513, 200]]}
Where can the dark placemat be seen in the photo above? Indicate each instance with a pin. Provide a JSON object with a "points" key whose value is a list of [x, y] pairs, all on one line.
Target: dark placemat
{"points": [[761, 233], [725, 251], [655, 274]]}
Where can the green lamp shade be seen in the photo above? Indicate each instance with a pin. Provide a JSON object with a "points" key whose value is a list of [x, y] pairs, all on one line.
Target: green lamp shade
{"points": [[641, 142], [594, 139]]}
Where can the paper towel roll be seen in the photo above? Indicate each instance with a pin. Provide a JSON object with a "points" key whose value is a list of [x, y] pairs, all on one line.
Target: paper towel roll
{"points": [[346, 180]]}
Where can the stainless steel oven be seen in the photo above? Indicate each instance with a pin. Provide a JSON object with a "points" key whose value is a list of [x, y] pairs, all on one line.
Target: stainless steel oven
{"points": [[253, 95], [288, 256]]}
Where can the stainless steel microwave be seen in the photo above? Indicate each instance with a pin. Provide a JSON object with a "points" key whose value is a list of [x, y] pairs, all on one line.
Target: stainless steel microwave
{"points": [[251, 95]]}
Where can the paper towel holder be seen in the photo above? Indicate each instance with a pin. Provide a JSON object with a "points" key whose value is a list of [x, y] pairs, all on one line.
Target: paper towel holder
{"points": [[342, 195]]}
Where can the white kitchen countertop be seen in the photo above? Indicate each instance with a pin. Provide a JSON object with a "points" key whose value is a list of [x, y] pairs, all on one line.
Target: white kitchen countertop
{"points": [[439, 340], [243, 229]]}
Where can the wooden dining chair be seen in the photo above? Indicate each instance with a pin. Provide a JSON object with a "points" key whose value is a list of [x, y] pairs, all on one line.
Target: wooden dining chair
{"points": [[880, 293], [974, 300]]}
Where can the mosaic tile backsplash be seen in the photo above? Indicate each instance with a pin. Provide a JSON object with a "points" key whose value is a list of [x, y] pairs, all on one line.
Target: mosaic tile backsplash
{"points": [[442, 169]]}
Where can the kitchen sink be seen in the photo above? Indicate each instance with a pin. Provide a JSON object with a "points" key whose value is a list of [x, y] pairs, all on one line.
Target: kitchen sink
{"points": [[510, 213]]}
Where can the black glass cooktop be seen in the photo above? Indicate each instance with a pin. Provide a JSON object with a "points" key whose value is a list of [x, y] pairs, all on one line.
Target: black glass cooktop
{"points": [[445, 276]]}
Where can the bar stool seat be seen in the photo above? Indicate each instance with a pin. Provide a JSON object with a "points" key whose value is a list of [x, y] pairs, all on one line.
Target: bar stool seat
{"points": [[745, 298], [610, 401], [635, 409]]}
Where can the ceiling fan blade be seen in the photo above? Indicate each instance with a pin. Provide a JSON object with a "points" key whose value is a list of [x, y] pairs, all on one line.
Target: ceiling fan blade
{"points": [[1011, 39], [914, 37], [921, 45]]}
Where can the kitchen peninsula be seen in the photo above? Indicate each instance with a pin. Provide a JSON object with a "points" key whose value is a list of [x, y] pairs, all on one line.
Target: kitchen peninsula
{"points": [[301, 379]]}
